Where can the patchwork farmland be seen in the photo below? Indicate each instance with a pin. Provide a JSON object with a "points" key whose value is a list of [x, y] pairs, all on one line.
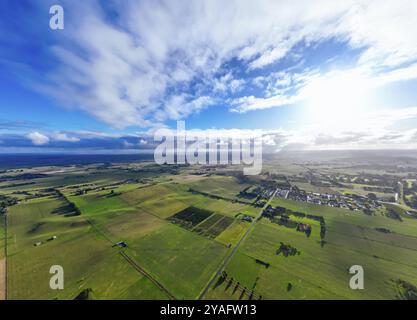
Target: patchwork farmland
{"points": [[138, 234]]}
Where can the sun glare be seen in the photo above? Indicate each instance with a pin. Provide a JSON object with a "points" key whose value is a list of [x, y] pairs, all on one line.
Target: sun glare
{"points": [[336, 101]]}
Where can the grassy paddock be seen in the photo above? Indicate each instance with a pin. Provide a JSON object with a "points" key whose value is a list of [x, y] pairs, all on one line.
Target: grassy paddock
{"points": [[183, 261], [88, 260], [307, 276]]}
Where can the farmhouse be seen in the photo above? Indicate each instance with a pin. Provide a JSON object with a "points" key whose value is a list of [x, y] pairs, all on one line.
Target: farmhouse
{"points": [[247, 218], [121, 244]]}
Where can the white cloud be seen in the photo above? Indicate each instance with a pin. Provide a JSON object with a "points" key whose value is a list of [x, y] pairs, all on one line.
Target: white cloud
{"points": [[127, 144], [283, 89], [37, 138], [140, 68], [62, 136], [236, 85], [179, 107], [386, 28], [251, 103], [228, 83], [375, 129]]}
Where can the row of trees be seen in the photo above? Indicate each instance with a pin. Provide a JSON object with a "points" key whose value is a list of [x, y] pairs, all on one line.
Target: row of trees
{"points": [[284, 219], [6, 201], [71, 206]]}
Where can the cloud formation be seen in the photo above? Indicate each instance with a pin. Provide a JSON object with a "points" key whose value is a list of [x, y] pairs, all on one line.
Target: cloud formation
{"points": [[375, 130], [146, 62], [37, 138]]}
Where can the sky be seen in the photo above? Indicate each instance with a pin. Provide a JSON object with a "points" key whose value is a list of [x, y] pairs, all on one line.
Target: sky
{"points": [[306, 75]]}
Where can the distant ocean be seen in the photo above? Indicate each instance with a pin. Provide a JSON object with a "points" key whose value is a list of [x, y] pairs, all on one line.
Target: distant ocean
{"points": [[14, 161]]}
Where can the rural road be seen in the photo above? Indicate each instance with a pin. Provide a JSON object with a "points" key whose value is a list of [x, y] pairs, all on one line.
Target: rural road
{"points": [[3, 279], [146, 274], [232, 253], [3, 266]]}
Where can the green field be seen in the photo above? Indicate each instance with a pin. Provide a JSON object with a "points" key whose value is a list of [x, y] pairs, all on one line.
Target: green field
{"points": [[350, 240], [233, 233], [2, 237], [182, 261], [223, 186], [88, 259], [179, 228]]}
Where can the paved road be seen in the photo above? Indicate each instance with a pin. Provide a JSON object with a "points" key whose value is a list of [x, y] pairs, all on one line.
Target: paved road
{"points": [[232, 253]]}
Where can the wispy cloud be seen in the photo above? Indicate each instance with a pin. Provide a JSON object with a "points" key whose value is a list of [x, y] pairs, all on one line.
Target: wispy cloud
{"points": [[62, 136], [151, 61]]}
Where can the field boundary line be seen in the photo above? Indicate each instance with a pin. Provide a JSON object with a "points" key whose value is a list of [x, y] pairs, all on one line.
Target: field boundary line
{"points": [[218, 197], [229, 257], [133, 263], [146, 274]]}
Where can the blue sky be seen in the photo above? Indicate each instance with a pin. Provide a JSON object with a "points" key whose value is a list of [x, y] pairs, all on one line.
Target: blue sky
{"points": [[307, 74]]}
